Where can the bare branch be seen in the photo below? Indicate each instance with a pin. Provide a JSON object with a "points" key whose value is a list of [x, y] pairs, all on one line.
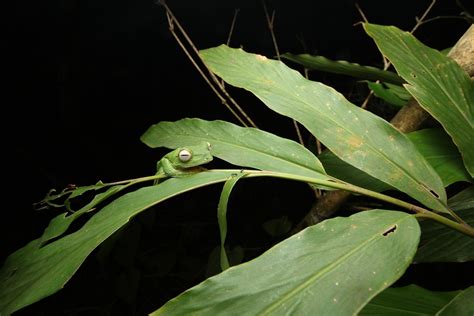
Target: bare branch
{"points": [[419, 21], [361, 13], [174, 21], [270, 21], [232, 26]]}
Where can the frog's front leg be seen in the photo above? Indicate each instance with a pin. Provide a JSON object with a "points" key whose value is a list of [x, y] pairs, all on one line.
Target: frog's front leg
{"points": [[168, 168], [164, 169]]}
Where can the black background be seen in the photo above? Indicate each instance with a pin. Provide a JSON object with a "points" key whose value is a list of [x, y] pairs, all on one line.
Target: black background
{"points": [[84, 79]]}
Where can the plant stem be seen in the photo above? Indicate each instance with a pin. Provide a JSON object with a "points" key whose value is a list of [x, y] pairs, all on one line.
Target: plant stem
{"points": [[462, 227], [337, 184], [137, 180]]}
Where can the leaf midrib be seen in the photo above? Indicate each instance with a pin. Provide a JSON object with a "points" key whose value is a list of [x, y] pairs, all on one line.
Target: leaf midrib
{"points": [[329, 268], [430, 73], [371, 147]]}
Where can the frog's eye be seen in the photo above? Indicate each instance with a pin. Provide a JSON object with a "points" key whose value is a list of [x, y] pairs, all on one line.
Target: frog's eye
{"points": [[184, 155]]}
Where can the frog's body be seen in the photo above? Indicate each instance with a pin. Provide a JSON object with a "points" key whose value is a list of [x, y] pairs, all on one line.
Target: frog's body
{"points": [[184, 160]]}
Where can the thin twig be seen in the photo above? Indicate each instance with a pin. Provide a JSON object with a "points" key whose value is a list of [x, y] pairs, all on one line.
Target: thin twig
{"points": [[232, 26], [211, 74], [444, 17], [419, 21], [318, 193], [230, 35], [270, 27], [270, 21], [367, 99], [386, 63], [180, 43], [361, 13]]}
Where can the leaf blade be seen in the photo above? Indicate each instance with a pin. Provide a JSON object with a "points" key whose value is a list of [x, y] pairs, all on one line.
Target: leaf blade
{"points": [[313, 262], [436, 81], [441, 244], [248, 147], [344, 128], [461, 304], [34, 272], [343, 67], [222, 215], [433, 143], [410, 299]]}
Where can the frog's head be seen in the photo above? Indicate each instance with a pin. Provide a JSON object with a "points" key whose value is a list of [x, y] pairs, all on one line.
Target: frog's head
{"points": [[191, 156]]}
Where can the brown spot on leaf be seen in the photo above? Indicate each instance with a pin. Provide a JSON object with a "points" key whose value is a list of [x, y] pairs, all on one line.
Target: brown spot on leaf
{"points": [[354, 141]]}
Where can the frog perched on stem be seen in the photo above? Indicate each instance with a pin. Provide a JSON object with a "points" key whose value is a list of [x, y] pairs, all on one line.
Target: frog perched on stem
{"points": [[184, 161]]}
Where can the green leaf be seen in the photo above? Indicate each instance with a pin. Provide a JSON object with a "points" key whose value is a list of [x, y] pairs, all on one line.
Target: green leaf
{"points": [[248, 147], [461, 304], [34, 272], [58, 225], [440, 152], [333, 268], [436, 81], [391, 94], [356, 136], [408, 300], [342, 170], [67, 195], [433, 143], [442, 244], [222, 215], [463, 200], [343, 67]]}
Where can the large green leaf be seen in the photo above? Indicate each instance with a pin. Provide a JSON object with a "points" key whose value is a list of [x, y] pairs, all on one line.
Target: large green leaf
{"points": [[433, 143], [408, 300], [34, 272], [343, 67], [348, 173], [436, 81], [247, 147], [356, 136], [440, 243], [462, 304], [440, 152], [392, 94], [333, 268]]}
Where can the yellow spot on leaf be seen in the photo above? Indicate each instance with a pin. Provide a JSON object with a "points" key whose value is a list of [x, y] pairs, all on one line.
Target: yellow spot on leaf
{"points": [[396, 176], [354, 141], [260, 57]]}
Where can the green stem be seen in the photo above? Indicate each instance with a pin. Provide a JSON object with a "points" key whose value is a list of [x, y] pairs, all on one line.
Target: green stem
{"points": [[337, 184], [460, 226], [137, 180]]}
